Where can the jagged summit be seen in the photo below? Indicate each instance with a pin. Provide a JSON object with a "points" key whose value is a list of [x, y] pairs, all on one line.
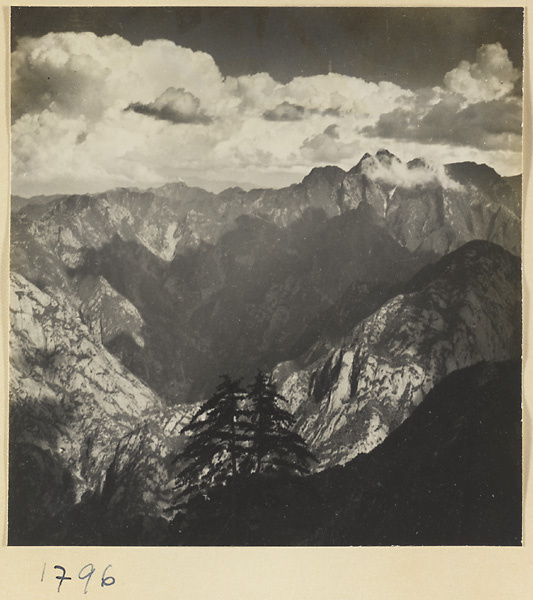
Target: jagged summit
{"points": [[386, 157], [359, 166], [418, 163], [368, 161]]}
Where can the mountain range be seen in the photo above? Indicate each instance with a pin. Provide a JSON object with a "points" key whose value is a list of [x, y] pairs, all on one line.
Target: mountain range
{"points": [[360, 292]]}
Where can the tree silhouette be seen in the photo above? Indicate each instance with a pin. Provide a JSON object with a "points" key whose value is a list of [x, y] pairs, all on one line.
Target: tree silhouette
{"points": [[240, 449], [216, 446], [275, 446]]}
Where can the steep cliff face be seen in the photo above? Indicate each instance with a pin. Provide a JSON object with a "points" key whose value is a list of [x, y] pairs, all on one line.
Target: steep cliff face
{"points": [[435, 209], [74, 223], [462, 310], [71, 403], [240, 277], [106, 312], [31, 258]]}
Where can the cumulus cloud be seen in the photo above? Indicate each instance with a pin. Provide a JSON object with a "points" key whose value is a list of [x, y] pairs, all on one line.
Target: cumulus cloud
{"points": [[337, 94], [475, 108], [110, 86], [490, 77], [81, 73], [326, 95], [79, 78], [174, 105], [285, 112], [80, 105], [250, 92], [327, 147]]}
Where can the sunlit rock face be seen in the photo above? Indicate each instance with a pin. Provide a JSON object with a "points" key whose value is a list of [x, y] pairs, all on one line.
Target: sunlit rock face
{"points": [[71, 405], [464, 309]]}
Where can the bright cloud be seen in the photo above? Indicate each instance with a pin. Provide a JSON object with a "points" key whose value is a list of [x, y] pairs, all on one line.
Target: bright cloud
{"points": [[327, 147], [476, 109], [490, 77], [90, 113], [81, 73]]}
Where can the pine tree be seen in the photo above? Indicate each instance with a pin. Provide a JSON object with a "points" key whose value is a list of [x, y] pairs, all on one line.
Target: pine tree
{"points": [[216, 446], [239, 450], [275, 446]]}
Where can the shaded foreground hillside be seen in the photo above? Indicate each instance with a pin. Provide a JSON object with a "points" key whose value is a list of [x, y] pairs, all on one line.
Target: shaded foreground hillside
{"points": [[449, 475]]}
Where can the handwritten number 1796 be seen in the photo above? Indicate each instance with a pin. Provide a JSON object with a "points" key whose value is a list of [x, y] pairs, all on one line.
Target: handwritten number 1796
{"points": [[86, 572]]}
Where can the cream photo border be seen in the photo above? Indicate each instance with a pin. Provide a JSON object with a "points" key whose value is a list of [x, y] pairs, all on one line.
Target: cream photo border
{"points": [[395, 573]]}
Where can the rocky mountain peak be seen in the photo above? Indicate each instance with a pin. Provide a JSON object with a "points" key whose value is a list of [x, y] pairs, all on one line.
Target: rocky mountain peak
{"points": [[367, 157], [469, 172], [331, 174], [385, 157], [418, 163]]}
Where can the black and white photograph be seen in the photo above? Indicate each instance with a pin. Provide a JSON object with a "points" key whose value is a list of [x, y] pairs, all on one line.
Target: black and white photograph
{"points": [[265, 276]]}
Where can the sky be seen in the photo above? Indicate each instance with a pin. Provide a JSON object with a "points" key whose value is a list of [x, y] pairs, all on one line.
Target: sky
{"points": [[256, 97]]}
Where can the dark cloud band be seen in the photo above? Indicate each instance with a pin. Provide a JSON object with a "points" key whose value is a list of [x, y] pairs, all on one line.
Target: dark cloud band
{"points": [[486, 125], [285, 112], [175, 106]]}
